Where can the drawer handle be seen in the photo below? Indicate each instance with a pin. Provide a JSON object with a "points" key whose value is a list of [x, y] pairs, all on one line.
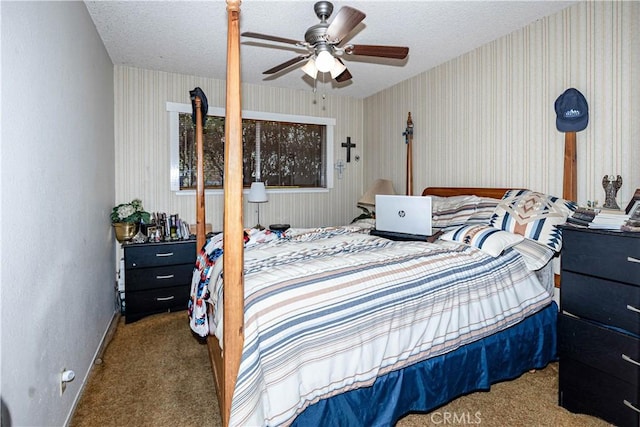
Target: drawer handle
{"points": [[165, 298], [165, 254], [630, 405], [168, 276], [628, 359], [632, 259], [632, 308]]}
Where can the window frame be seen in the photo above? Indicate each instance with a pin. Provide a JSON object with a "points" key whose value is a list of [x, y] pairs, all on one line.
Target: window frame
{"points": [[174, 109]]}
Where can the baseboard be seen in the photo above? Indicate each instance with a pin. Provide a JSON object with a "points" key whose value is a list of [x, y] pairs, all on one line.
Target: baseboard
{"points": [[97, 359]]}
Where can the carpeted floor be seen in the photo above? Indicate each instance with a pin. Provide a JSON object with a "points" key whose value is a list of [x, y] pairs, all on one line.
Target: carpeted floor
{"points": [[155, 373]]}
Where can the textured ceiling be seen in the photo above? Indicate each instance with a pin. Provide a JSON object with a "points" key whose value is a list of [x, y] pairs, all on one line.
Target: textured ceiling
{"points": [[189, 37]]}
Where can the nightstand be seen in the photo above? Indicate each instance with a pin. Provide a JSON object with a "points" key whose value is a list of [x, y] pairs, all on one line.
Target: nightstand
{"points": [[157, 277], [599, 325]]}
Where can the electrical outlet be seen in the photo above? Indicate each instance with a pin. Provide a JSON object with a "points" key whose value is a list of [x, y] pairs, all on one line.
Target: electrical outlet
{"points": [[63, 384]]}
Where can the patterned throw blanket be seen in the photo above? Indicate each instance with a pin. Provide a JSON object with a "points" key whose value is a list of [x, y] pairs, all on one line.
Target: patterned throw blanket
{"points": [[330, 310]]}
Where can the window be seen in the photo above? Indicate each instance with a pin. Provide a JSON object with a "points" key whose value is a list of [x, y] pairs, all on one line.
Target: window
{"points": [[286, 152]]}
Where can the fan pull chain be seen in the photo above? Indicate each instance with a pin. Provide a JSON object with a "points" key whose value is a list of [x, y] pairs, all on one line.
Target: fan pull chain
{"points": [[315, 91], [324, 93]]}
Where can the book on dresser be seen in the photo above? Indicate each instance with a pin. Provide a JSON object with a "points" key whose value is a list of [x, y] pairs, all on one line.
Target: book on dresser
{"points": [[582, 217], [599, 325]]}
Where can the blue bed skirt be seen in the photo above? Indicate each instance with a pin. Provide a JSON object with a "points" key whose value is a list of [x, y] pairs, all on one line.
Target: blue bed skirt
{"points": [[530, 344]]}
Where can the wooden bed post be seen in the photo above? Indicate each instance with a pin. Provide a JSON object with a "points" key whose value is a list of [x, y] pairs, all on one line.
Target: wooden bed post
{"points": [[408, 133], [233, 239], [570, 186], [200, 213], [569, 178]]}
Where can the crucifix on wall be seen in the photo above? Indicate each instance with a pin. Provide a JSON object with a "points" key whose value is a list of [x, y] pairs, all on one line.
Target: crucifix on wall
{"points": [[348, 145]]}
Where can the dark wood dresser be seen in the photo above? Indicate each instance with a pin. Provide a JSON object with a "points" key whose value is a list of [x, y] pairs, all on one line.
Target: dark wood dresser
{"points": [[157, 277], [599, 325]]}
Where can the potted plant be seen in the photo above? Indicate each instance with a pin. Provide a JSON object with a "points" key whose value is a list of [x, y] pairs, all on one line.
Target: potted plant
{"points": [[126, 217]]}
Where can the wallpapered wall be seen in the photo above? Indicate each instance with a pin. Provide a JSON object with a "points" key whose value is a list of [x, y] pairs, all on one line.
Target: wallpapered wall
{"points": [[483, 119], [487, 117], [142, 148]]}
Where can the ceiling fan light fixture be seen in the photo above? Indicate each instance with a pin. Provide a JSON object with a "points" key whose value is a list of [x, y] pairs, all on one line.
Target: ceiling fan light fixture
{"points": [[337, 69], [310, 69], [324, 61]]}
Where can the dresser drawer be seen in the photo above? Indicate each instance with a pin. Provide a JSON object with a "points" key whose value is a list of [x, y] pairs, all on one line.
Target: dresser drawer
{"points": [[610, 351], [610, 256], [604, 301], [137, 279], [587, 390], [151, 255], [142, 303]]}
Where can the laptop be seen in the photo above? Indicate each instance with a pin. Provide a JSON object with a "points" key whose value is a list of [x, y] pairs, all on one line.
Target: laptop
{"points": [[409, 215]]}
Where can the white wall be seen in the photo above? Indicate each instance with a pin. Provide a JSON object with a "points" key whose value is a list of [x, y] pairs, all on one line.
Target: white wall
{"points": [[487, 118], [57, 194]]}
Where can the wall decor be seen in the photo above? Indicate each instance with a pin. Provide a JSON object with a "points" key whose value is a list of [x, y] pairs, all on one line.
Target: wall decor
{"points": [[634, 198], [611, 187]]}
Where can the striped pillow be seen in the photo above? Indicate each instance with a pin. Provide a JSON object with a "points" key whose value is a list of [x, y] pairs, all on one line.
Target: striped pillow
{"points": [[536, 216], [452, 211], [488, 239], [484, 211], [534, 254]]}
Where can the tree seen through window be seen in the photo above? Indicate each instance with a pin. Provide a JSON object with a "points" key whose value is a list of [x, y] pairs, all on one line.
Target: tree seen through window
{"points": [[288, 154]]}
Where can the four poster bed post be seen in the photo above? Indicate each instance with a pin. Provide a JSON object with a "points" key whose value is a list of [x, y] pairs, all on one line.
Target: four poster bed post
{"points": [[200, 212], [226, 362], [570, 182], [408, 133]]}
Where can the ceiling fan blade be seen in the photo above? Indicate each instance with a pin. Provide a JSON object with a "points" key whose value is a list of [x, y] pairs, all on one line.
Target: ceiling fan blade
{"points": [[286, 64], [395, 52], [346, 75], [345, 21], [270, 38]]}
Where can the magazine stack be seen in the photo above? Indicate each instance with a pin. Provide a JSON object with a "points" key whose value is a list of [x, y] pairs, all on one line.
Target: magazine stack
{"points": [[582, 217], [609, 219], [600, 219]]}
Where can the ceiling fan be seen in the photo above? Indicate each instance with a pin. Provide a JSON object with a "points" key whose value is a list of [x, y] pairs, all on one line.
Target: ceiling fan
{"points": [[323, 41]]}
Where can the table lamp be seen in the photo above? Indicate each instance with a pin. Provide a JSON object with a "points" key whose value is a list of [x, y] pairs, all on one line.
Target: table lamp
{"points": [[258, 194]]}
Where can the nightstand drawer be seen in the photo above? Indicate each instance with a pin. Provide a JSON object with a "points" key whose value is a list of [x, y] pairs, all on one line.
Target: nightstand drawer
{"points": [[604, 301], [610, 351], [158, 277], [151, 255], [614, 257], [590, 391], [157, 300]]}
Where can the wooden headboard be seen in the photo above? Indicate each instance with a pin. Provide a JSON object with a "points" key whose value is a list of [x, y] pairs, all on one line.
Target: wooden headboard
{"points": [[495, 193]]}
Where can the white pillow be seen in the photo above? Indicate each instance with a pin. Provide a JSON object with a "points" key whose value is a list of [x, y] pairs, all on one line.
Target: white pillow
{"points": [[488, 239]]}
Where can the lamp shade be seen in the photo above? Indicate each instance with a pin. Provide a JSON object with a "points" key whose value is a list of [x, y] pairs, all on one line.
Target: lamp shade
{"points": [[257, 193], [310, 69], [337, 69], [324, 61], [380, 186]]}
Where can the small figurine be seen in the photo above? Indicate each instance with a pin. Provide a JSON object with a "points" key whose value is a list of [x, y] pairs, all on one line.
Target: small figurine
{"points": [[611, 188]]}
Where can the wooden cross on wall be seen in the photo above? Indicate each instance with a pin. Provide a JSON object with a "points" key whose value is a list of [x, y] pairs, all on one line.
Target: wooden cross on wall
{"points": [[348, 145]]}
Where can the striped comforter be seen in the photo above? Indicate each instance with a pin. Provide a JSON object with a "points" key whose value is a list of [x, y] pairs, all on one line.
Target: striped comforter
{"points": [[330, 310]]}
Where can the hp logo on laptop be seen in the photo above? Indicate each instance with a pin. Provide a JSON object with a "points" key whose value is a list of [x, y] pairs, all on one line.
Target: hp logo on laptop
{"points": [[401, 214]]}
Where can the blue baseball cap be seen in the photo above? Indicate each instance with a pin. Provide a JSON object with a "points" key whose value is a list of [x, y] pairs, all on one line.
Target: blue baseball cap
{"points": [[572, 111]]}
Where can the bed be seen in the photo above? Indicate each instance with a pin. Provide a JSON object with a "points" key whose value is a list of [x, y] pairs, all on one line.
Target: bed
{"points": [[285, 345], [336, 318]]}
